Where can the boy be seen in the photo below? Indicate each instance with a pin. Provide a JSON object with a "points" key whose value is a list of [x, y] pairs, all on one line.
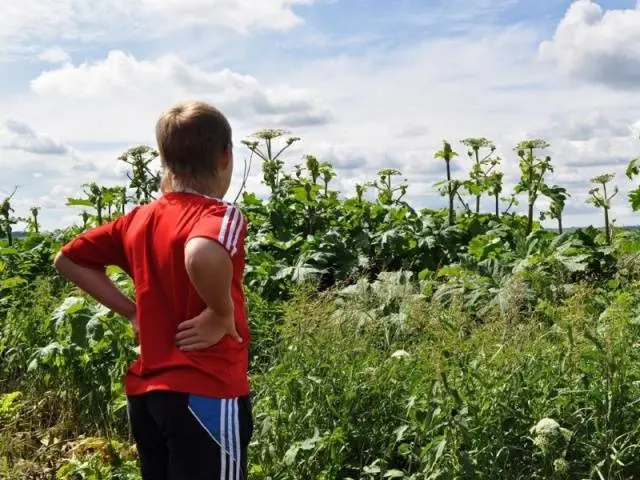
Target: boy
{"points": [[188, 392]]}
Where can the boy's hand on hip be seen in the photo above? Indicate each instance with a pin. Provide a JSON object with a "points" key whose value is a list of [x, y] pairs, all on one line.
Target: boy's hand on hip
{"points": [[205, 330]]}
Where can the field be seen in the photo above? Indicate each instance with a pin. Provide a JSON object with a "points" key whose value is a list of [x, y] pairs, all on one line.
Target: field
{"points": [[388, 342]]}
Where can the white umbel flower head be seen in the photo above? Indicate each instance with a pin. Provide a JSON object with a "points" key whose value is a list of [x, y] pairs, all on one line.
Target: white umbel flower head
{"points": [[549, 435]]}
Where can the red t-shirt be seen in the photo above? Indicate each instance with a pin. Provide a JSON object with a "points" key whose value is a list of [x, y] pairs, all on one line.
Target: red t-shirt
{"points": [[148, 243]]}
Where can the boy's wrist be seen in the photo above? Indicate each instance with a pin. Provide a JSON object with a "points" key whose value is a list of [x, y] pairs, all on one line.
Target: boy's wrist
{"points": [[223, 311]]}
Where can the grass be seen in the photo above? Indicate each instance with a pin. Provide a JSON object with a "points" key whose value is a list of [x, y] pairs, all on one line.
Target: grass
{"points": [[374, 384]]}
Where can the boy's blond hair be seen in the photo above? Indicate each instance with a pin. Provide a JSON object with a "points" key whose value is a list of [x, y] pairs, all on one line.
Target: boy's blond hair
{"points": [[191, 136]]}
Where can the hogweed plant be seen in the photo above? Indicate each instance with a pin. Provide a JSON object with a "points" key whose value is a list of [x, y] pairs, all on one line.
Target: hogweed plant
{"points": [[480, 180], [601, 199], [93, 198], [449, 187], [558, 196], [533, 170], [144, 180], [386, 189], [7, 220], [262, 144], [494, 181], [33, 225], [460, 339], [633, 170]]}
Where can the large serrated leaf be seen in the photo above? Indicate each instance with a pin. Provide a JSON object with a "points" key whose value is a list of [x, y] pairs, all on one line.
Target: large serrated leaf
{"points": [[70, 306]]}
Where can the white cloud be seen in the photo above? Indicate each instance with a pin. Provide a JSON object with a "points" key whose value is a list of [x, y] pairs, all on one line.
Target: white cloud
{"points": [[120, 97], [17, 135], [597, 45], [595, 154], [588, 128], [35, 22], [62, 176], [58, 190], [373, 108], [589, 125], [461, 14], [54, 55], [241, 15]]}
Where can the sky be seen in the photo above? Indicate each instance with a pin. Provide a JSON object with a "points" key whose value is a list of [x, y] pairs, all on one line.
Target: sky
{"points": [[365, 84]]}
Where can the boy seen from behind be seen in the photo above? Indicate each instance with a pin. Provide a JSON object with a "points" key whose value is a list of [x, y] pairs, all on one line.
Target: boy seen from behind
{"points": [[188, 391]]}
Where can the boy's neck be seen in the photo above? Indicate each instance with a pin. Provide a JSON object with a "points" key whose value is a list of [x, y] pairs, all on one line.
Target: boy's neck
{"points": [[210, 190]]}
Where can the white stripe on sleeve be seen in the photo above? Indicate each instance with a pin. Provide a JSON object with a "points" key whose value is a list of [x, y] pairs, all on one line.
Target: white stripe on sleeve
{"points": [[225, 225], [235, 220], [234, 242]]}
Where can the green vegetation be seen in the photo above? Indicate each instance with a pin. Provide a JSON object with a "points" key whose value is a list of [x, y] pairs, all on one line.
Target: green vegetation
{"points": [[389, 341], [600, 199]]}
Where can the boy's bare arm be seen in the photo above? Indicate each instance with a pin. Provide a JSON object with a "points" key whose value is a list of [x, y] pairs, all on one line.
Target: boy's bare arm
{"points": [[97, 284], [211, 271]]}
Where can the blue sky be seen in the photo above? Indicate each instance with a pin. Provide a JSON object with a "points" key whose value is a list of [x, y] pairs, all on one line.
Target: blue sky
{"points": [[365, 83]]}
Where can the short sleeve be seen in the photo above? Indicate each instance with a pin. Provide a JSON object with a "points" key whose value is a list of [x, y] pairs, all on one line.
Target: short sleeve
{"points": [[226, 227], [100, 247]]}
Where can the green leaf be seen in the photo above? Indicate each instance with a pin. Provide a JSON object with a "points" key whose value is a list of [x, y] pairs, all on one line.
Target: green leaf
{"points": [[79, 331], [79, 202], [440, 449], [371, 469], [634, 199], [576, 263], [290, 455], [12, 282], [393, 474], [299, 274], [310, 443], [70, 306], [9, 404], [633, 168], [454, 271], [73, 312], [44, 354], [95, 328], [400, 432]]}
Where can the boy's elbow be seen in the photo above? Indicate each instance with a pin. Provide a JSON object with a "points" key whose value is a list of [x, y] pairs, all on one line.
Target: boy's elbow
{"points": [[58, 260], [62, 264]]}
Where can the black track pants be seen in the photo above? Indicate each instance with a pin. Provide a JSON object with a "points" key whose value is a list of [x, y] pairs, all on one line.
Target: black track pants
{"points": [[188, 437]]}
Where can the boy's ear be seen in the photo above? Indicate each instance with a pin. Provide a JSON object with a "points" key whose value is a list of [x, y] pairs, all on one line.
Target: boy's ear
{"points": [[226, 156]]}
